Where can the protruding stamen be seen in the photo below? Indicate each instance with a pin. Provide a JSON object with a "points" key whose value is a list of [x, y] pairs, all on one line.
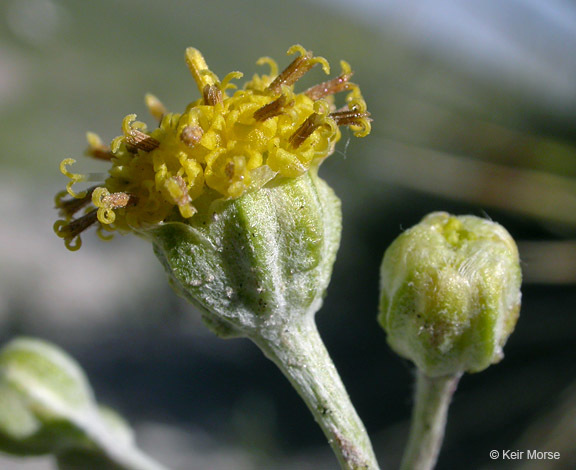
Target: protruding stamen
{"points": [[70, 231], [183, 197], [297, 68], [96, 148], [191, 135], [155, 106], [357, 118], [77, 226], [212, 95], [312, 123], [275, 108], [202, 74], [138, 140], [178, 190], [349, 117], [106, 202], [69, 207], [329, 87], [119, 200]]}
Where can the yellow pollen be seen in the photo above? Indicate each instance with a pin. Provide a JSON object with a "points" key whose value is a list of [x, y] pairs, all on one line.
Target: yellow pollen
{"points": [[223, 145]]}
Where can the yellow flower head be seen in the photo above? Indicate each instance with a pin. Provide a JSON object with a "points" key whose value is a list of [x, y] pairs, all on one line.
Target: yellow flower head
{"points": [[221, 146]]}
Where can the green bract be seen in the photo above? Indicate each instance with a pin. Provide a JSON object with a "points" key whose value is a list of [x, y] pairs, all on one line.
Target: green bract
{"points": [[258, 266], [254, 263], [450, 293]]}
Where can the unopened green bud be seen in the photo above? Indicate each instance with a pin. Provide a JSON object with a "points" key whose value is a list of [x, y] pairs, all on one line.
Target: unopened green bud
{"points": [[450, 293], [47, 405], [258, 261], [42, 393]]}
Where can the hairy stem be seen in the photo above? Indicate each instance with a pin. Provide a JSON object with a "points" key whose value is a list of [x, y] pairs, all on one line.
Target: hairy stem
{"points": [[433, 396], [301, 355]]}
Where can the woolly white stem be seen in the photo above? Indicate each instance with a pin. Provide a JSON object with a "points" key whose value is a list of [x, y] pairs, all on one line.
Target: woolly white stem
{"points": [[300, 354]]}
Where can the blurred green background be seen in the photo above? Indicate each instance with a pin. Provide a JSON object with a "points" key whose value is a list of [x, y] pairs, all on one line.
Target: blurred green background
{"points": [[474, 107]]}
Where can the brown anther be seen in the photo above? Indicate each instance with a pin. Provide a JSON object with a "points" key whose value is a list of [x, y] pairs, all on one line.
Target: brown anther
{"points": [[69, 207], [303, 132], [275, 108], [329, 87], [191, 135], [119, 200], [229, 170], [138, 140], [212, 95], [292, 73], [185, 198], [349, 117], [77, 226], [101, 152]]}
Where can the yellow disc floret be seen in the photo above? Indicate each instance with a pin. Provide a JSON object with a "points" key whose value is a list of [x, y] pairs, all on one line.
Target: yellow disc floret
{"points": [[223, 145]]}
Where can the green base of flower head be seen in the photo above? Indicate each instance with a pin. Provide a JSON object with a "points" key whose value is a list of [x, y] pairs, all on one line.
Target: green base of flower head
{"points": [[450, 293], [270, 252], [228, 193]]}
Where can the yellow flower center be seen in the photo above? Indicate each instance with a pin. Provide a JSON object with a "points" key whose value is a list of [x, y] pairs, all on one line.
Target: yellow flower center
{"points": [[220, 145]]}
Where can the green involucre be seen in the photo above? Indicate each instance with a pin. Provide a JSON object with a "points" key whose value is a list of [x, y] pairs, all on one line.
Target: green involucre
{"points": [[254, 263]]}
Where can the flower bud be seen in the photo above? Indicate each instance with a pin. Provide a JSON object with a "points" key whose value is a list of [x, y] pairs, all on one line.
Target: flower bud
{"points": [[257, 261], [450, 293]]}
